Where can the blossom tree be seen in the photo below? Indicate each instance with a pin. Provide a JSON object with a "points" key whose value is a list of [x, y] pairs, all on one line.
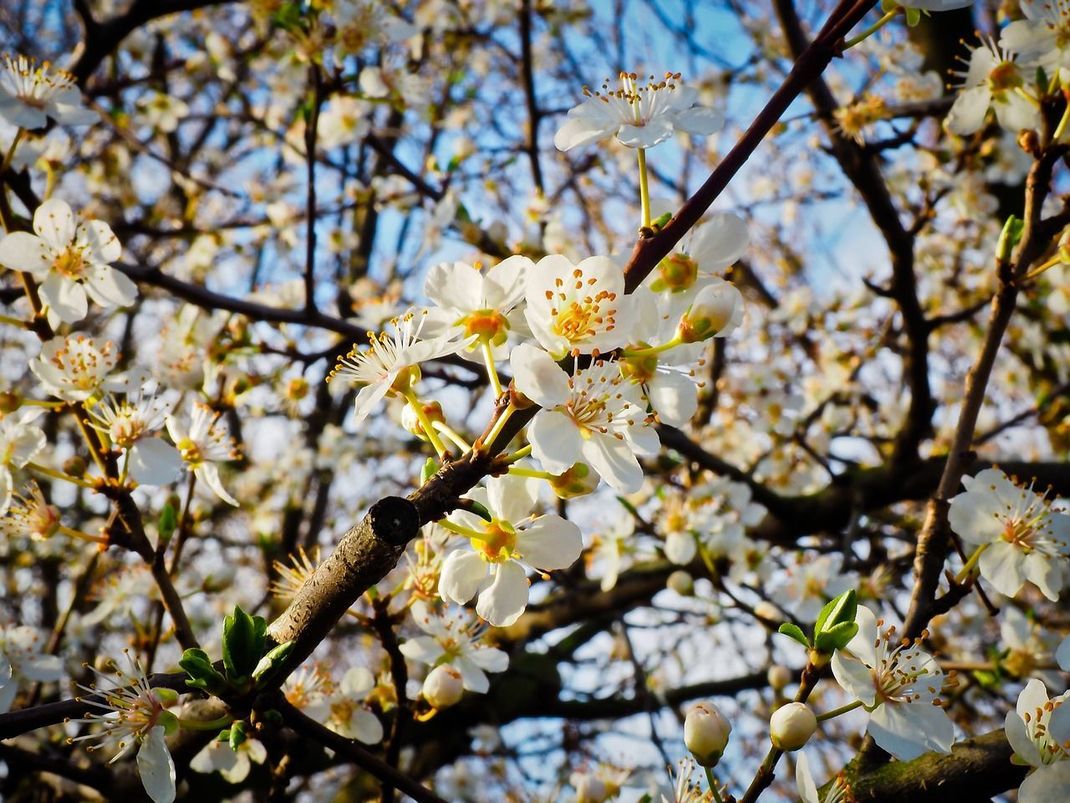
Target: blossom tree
{"points": [[392, 406]]}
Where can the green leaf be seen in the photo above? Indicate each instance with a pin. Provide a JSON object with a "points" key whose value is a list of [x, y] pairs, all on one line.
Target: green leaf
{"points": [[841, 609], [237, 735], [793, 631], [168, 522], [244, 639], [202, 675], [836, 637]]}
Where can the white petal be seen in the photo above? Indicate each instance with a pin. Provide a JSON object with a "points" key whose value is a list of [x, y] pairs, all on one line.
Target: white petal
{"points": [[365, 727], [65, 297], [804, 781], [42, 668], [356, 682], [908, 730], [854, 677], [454, 286], [502, 602], [156, 768], [472, 677], [1046, 784], [1062, 655], [103, 244], [109, 287], [54, 223], [154, 462], [1018, 738], [511, 498], [20, 250], [699, 120], [719, 242], [674, 397], [614, 461], [550, 542], [645, 136], [968, 112], [555, 441], [1001, 565], [423, 649], [463, 572], [538, 377], [680, 548], [208, 473]]}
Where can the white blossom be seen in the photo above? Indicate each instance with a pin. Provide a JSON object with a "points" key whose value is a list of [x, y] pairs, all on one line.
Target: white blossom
{"points": [[1038, 730], [30, 93]]}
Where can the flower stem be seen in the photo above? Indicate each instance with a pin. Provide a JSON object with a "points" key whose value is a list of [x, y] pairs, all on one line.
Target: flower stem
{"points": [[1051, 263], [83, 536], [11, 151], [492, 371], [872, 29], [644, 188], [1060, 129], [967, 568], [452, 434], [652, 350], [205, 724], [519, 454], [425, 423], [467, 532], [13, 321], [835, 712], [713, 784], [59, 475], [520, 471], [499, 425]]}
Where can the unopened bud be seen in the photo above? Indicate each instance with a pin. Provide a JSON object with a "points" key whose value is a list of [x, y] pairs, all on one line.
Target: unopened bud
{"points": [[791, 726], [589, 788], [768, 611], [443, 686], [706, 733], [681, 582], [577, 481], [409, 420], [9, 402], [716, 311], [75, 466], [779, 676]]}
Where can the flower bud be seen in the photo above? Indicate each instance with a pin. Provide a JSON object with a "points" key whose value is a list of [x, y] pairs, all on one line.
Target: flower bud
{"points": [[589, 788], [716, 311], [577, 481], [779, 676], [706, 733], [443, 686], [791, 726], [681, 582], [768, 611], [9, 402], [433, 411]]}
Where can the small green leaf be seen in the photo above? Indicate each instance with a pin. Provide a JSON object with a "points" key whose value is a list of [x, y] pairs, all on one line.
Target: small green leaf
{"points": [[202, 675], [793, 631], [273, 659], [836, 637], [243, 643], [841, 609], [237, 735], [168, 522]]}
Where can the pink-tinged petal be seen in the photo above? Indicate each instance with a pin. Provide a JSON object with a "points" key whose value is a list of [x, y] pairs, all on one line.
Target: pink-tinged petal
{"points": [[550, 542], [54, 223], [614, 461], [555, 441], [66, 298], [538, 377], [156, 768], [502, 602], [154, 462], [908, 730], [23, 251], [463, 573]]}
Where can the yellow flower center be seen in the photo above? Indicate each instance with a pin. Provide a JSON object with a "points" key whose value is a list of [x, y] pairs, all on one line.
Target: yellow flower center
{"points": [[71, 263], [677, 272], [190, 451], [487, 324], [498, 542]]}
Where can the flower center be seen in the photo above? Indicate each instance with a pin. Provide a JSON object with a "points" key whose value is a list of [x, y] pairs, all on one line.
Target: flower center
{"points": [[677, 272], [498, 542], [190, 451], [71, 263], [1004, 76], [487, 324]]}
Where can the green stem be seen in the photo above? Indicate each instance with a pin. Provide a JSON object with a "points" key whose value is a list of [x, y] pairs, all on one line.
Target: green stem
{"points": [[967, 568], [496, 430], [205, 724], [59, 475], [644, 188], [452, 434], [713, 784], [425, 423], [652, 350], [520, 471], [83, 536], [13, 321], [519, 454], [1064, 121], [467, 532], [11, 151], [492, 371], [872, 29], [835, 712]]}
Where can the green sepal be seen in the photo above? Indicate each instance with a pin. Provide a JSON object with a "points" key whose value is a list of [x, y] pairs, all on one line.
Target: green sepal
{"points": [[793, 631], [480, 510], [913, 16], [428, 470], [658, 223], [168, 522]]}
